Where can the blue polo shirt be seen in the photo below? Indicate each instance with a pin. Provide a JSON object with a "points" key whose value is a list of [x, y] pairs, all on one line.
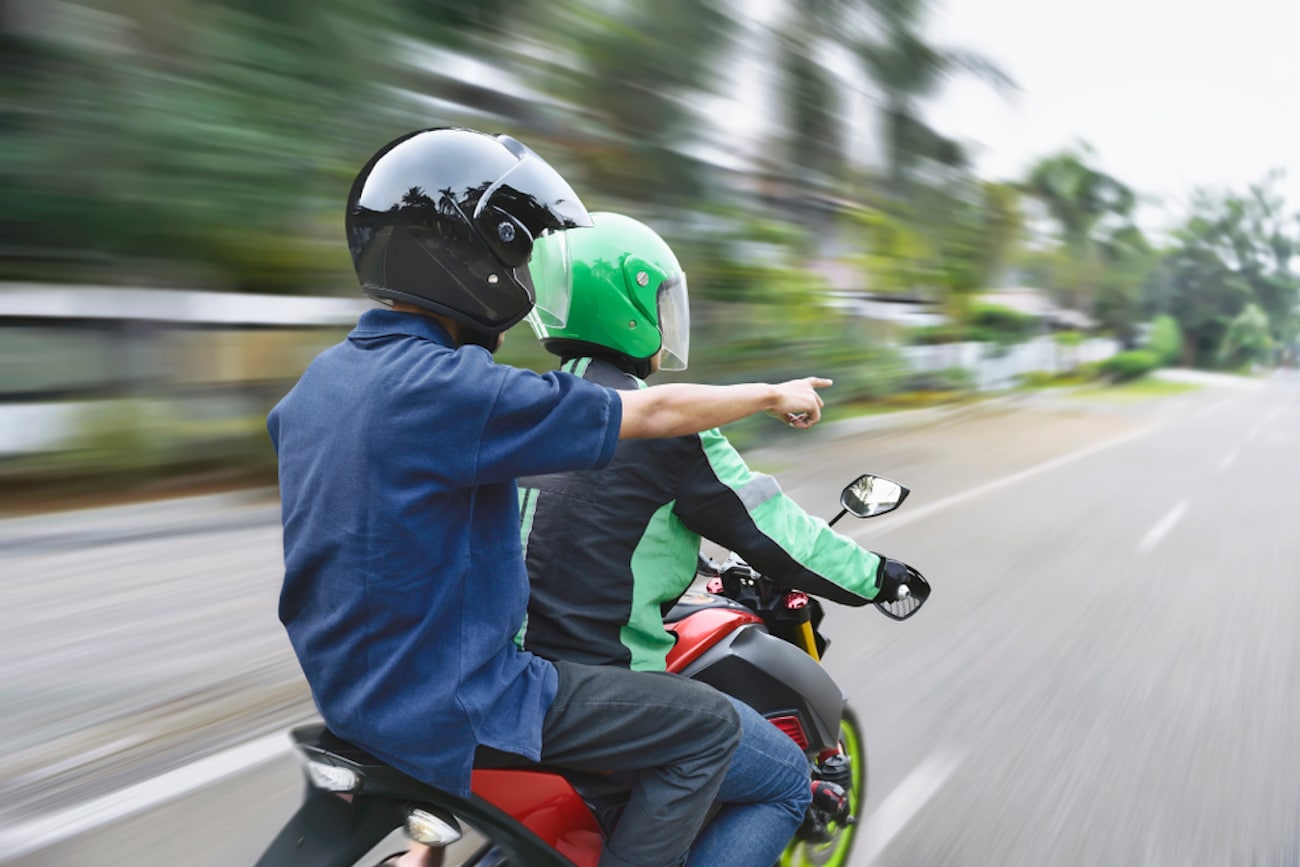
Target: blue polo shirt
{"points": [[404, 581]]}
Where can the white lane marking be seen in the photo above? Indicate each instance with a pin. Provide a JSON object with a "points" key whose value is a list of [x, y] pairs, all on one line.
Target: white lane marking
{"points": [[1163, 526], [1217, 405], [1228, 459], [893, 521], [37, 834], [904, 802]]}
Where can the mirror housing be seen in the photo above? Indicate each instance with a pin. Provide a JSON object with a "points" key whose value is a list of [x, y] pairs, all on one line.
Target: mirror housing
{"points": [[870, 495]]}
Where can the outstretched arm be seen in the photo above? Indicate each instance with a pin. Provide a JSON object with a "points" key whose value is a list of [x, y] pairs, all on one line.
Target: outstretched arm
{"points": [[678, 409], [720, 498]]}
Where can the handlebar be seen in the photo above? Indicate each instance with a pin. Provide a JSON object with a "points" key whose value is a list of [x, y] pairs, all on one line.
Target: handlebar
{"points": [[912, 594], [745, 584]]}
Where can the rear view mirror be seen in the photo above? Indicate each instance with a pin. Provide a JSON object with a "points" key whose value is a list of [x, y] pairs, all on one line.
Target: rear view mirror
{"points": [[868, 496]]}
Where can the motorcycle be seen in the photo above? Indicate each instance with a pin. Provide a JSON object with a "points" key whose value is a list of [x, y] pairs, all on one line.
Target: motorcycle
{"points": [[745, 634]]}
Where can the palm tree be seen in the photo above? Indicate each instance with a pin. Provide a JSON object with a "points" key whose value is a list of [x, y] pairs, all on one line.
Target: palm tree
{"points": [[1093, 211], [907, 70], [640, 67]]}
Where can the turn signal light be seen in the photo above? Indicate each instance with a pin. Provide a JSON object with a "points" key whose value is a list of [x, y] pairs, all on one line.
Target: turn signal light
{"points": [[424, 827], [332, 778]]}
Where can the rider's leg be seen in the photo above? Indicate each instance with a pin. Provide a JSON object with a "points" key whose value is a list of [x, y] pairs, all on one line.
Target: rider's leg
{"points": [[765, 795], [675, 735]]}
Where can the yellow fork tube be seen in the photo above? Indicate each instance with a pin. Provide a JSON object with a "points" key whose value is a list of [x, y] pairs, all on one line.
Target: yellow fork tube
{"points": [[807, 640]]}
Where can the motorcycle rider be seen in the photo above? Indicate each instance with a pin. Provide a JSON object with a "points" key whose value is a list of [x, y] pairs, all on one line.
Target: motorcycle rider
{"points": [[398, 453], [609, 551]]}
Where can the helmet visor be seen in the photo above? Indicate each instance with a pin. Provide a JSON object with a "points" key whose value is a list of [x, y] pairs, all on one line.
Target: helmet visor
{"points": [[534, 194], [551, 269], [674, 322]]}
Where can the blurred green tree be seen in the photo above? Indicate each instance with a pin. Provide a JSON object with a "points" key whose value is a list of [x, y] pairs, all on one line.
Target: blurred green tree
{"points": [[201, 144], [1233, 252], [949, 243], [1165, 339], [1128, 263], [1247, 340], [640, 70], [908, 69], [1093, 212]]}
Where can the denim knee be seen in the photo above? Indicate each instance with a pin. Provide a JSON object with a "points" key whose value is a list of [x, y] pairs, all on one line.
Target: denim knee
{"points": [[768, 767], [796, 790]]}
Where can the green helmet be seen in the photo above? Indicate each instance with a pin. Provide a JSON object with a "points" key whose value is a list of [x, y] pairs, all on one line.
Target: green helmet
{"points": [[627, 294]]}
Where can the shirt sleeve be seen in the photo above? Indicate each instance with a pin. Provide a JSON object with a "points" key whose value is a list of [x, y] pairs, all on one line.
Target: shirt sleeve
{"points": [[547, 423], [720, 498]]}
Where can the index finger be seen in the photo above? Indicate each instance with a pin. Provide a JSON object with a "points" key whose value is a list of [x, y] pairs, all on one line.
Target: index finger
{"points": [[819, 382]]}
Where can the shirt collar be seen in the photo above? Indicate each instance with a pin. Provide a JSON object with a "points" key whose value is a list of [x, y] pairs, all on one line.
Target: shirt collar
{"points": [[380, 321]]}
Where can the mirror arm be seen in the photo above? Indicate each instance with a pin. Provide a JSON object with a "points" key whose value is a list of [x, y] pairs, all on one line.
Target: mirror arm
{"points": [[842, 513]]}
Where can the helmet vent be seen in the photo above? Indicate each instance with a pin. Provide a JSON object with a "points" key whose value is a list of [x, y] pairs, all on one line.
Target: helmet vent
{"points": [[642, 278]]}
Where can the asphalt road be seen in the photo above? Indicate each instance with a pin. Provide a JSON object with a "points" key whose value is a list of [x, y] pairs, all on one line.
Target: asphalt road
{"points": [[1105, 674]]}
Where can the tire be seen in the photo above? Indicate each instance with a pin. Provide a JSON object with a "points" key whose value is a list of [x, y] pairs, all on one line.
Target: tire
{"points": [[835, 852]]}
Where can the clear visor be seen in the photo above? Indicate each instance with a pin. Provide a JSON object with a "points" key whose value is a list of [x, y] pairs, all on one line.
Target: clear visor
{"points": [[535, 194], [674, 323], [541, 201], [551, 269]]}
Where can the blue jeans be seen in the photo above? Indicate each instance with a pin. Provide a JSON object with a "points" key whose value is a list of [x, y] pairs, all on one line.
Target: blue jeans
{"points": [[765, 794]]}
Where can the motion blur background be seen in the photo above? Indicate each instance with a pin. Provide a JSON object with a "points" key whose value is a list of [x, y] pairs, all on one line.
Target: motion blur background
{"points": [[1045, 227]]}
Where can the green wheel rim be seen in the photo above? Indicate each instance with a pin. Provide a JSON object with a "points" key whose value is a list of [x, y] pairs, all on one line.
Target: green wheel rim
{"points": [[835, 852]]}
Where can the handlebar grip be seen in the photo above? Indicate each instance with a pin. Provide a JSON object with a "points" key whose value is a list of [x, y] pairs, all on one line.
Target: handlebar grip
{"points": [[912, 594]]}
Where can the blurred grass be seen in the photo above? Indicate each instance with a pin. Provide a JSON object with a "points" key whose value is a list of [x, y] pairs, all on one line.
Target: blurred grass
{"points": [[1135, 391]]}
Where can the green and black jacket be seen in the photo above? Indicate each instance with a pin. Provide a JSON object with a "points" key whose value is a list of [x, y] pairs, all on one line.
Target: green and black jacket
{"points": [[609, 551]]}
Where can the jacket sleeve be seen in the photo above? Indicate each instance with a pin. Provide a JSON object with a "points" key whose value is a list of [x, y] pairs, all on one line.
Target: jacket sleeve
{"points": [[720, 498], [547, 423]]}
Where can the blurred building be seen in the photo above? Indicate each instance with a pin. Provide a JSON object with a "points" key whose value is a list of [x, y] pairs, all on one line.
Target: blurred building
{"points": [[1036, 303]]}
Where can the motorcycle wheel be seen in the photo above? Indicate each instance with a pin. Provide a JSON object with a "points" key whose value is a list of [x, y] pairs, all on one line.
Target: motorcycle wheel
{"points": [[835, 851]]}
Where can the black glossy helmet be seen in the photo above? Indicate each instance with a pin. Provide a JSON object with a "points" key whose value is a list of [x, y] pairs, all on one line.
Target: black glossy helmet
{"points": [[445, 219]]}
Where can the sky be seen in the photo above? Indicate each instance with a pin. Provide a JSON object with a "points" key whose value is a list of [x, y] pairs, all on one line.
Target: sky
{"points": [[1172, 94]]}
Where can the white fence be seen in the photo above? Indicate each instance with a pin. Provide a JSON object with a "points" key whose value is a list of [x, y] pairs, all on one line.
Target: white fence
{"points": [[995, 367]]}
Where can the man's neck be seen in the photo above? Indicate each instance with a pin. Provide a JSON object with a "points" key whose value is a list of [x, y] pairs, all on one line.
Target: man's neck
{"points": [[452, 326], [460, 333]]}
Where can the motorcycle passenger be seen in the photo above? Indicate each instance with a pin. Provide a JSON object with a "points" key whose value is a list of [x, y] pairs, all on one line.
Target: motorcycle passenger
{"points": [[609, 551], [398, 453]]}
